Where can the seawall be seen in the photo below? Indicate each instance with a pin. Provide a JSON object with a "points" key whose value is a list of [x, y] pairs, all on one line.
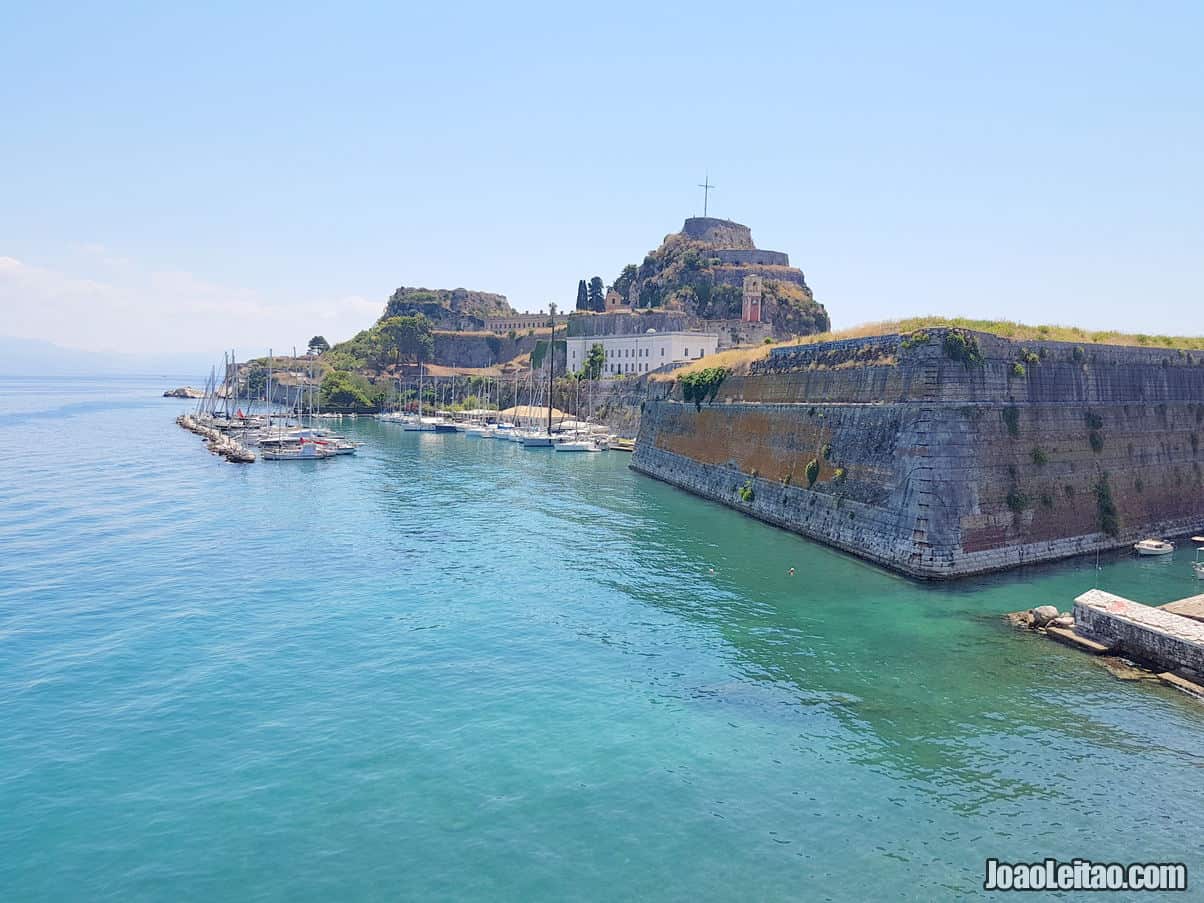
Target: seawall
{"points": [[939, 458]]}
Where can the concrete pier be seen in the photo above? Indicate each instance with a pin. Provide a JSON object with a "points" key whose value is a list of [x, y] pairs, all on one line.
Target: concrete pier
{"points": [[1168, 641]]}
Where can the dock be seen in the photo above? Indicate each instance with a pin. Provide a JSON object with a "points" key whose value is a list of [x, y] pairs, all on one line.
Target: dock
{"points": [[1191, 607], [1145, 633], [1133, 641]]}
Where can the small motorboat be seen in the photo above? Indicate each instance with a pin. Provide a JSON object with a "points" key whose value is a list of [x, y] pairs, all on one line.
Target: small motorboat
{"points": [[1153, 547]]}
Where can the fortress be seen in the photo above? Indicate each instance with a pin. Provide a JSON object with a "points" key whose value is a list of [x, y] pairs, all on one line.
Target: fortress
{"points": [[946, 452], [732, 247]]}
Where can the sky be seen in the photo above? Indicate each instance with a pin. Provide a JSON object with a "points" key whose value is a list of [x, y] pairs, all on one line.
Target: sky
{"points": [[194, 177]]}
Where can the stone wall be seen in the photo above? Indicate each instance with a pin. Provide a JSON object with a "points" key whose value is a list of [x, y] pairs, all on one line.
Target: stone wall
{"points": [[457, 349], [619, 403], [630, 323], [733, 274], [736, 332], [755, 256], [902, 454], [1142, 632], [721, 233]]}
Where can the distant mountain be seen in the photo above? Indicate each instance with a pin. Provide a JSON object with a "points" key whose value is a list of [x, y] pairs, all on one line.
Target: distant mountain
{"points": [[33, 357]]}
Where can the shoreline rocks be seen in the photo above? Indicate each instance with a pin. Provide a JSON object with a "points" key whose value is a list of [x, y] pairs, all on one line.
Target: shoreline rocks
{"points": [[184, 392], [216, 442]]}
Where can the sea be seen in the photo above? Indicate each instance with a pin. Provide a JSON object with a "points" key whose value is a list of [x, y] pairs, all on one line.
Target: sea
{"points": [[454, 669]]}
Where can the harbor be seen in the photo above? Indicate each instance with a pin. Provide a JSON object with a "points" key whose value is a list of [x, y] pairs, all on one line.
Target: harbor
{"points": [[236, 418], [645, 657]]}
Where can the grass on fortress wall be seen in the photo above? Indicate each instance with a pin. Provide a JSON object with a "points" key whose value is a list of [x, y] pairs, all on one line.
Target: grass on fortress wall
{"points": [[737, 360], [1008, 330]]}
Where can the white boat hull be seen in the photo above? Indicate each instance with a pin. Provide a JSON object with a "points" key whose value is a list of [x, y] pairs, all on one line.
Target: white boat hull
{"points": [[1151, 548]]}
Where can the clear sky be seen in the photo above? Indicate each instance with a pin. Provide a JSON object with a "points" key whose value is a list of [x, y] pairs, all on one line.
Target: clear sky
{"points": [[200, 176]]}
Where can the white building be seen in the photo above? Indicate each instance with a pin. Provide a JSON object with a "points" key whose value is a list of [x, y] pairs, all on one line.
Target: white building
{"points": [[642, 352]]}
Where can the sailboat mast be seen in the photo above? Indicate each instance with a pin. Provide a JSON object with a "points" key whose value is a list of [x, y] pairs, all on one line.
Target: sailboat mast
{"points": [[551, 369]]}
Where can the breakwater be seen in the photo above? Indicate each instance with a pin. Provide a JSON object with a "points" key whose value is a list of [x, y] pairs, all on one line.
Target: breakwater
{"points": [[217, 442], [946, 453]]}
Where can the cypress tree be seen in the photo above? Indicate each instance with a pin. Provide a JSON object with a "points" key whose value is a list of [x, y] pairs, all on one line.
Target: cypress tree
{"points": [[597, 295]]}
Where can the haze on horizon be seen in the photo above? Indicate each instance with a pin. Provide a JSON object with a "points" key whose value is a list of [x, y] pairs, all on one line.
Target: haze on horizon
{"points": [[196, 179]]}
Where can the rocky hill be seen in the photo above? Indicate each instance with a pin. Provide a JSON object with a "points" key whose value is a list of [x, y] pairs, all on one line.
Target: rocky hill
{"points": [[454, 308], [701, 271]]}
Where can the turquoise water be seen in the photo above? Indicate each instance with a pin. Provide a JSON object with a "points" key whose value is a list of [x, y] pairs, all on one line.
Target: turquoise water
{"points": [[454, 669]]}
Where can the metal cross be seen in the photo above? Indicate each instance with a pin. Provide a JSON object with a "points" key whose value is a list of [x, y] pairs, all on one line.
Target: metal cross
{"points": [[706, 187]]}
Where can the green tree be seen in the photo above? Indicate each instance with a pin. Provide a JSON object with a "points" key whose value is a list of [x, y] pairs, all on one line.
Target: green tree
{"points": [[257, 379], [597, 295], [582, 296], [346, 392], [318, 345], [407, 337], [594, 362], [626, 278]]}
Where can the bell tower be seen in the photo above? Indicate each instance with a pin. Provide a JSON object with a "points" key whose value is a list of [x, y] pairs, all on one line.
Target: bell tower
{"points": [[751, 310]]}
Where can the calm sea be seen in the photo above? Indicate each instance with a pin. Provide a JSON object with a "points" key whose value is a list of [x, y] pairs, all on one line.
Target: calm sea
{"points": [[454, 669]]}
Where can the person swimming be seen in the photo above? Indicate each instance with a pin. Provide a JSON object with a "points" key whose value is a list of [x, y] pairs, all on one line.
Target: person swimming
{"points": [[791, 572]]}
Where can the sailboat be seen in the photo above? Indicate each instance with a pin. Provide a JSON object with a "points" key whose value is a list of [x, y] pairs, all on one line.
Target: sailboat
{"points": [[534, 439], [420, 424], [578, 443]]}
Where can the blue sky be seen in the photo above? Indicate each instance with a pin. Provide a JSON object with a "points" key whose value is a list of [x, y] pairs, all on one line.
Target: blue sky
{"points": [[199, 178]]}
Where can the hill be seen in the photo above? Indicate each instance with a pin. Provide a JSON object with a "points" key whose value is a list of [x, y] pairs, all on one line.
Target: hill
{"points": [[448, 308], [701, 271]]}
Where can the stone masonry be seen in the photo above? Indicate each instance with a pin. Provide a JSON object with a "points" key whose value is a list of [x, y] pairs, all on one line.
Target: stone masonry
{"points": [[1142, 632], [896, 450]]}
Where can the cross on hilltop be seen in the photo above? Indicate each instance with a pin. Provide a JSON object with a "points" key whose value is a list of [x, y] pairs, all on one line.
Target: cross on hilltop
{"points": [[706, 187]]}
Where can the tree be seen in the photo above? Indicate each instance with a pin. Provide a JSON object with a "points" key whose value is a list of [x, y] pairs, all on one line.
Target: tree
{"points": [[626, 278], [408, 337], [318, 345], [597, 295], [346, 392], [582, 302], [594, 361], [257, 379]]}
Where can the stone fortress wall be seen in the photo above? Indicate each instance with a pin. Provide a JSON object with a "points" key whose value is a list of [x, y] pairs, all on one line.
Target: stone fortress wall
{"points": [[753, 257], [899, 452], [722, 233]]}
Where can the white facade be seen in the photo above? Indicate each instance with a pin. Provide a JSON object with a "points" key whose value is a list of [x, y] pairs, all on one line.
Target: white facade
{"points": [[640, 353]]}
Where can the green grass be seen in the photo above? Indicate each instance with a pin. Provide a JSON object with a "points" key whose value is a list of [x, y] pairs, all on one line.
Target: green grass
{"points": [[1018, 331]]}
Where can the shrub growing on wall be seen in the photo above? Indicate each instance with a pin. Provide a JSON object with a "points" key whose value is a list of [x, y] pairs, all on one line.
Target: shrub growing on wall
{"points": [[1109, 517], [702, 385], [746, 492], [812, 472], [962, 346]]}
